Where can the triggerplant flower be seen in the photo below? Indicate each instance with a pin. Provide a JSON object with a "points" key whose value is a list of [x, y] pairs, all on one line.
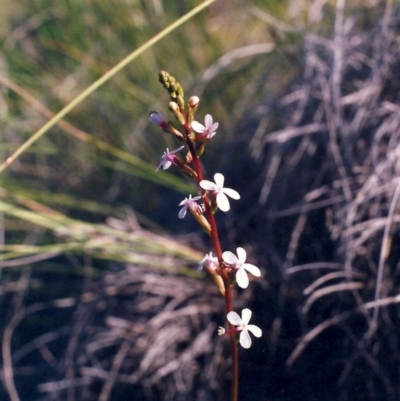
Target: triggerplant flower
{"points": [[168, 158], [237, 263], [189, 203], [218, 189], [243, 326], [206, 131], [210, 261]]}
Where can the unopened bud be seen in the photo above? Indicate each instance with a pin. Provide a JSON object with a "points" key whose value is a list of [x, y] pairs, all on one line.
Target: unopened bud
{"points": [[173, 106], [175, 132], [157, 118], [221, 331], [193, 102], [192, 106], [203, 222]]}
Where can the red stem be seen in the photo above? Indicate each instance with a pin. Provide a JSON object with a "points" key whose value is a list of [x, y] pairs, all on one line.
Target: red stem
{"points": [[218, 251]]}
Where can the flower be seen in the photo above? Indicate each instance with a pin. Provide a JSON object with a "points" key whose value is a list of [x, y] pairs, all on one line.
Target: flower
{"points": [[221, 331], [210, 261], [189, 203], [207, 131], [218, 189], [158, 118], [243, 326], [168, 158], [237, 263]]}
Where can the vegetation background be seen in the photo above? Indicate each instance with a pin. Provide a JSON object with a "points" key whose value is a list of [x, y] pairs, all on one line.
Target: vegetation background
{"points": [[99, 297]]}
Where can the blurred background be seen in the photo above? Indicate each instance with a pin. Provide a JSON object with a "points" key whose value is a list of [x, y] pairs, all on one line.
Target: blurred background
{"points": [[100, 298]]}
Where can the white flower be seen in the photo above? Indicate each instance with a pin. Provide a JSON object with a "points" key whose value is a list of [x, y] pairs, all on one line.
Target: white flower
{"points": [[210, 261], [189, 203], [168, 158], [243, 326], [207, 131], [218, 189], [237, 263]]}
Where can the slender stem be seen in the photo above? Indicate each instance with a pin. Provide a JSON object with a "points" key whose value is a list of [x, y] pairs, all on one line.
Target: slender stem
{"points": [[218, 251]]}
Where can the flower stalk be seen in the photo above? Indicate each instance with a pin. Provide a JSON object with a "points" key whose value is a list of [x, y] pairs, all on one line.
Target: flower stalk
{"points": [[226, 269]]}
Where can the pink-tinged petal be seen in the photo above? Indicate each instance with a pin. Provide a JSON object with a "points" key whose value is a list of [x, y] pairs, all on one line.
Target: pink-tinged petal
{"points": [[182, 212], [229, 258], [219, 179], [208, 185], [254, 270], [244, 339], [166, 165], [241, 254], [234, 318], [223, 202], [246, 315], [200, 128], [242, 279], [214, 127], [231, 193], [255, 330], [176, 150], [208, 120]]}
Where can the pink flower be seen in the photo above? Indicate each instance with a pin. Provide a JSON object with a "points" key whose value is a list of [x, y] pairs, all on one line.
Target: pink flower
{"points": [[168, 158], [189, 203], [243, 326], [207, 131], [219, 191], [210, 262], [237, 263]]}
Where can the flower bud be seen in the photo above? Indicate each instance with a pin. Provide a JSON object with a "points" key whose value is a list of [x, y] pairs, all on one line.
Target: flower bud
{"points": [[174, 108], [193, 102], [158, 118], [192, 106]]}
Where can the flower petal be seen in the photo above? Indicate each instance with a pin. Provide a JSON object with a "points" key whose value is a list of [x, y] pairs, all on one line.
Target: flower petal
{"points": [[223, 202], [234, 318], [241, 254], [175, 150], [166, 164], [254, 270], [208, 120], [199, 128], [231, 193], [242, 278], [219, 179], [162, 162], [208, 185], [230, 258], [255, 330], [246, 315], [244, 339], [182, 212], [214, 127]]}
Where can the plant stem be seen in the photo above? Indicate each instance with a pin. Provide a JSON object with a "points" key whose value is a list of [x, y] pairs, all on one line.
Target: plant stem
{"points": [[218, 251]]}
